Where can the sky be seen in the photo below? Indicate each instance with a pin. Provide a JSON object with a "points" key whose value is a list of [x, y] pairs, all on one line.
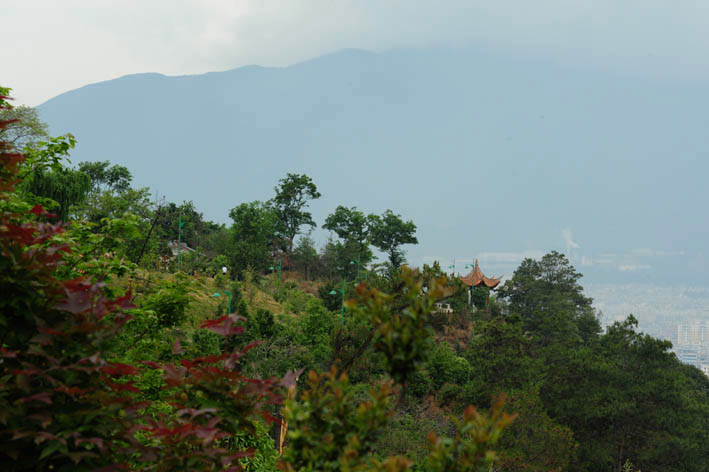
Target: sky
{"points": [[52, 46]]}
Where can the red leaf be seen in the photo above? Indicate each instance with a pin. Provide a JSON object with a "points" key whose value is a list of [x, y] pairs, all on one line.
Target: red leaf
{"points": [[117, 369], [37, 210], [4, 352], [76, 302], [44, 397], [176, 347]]}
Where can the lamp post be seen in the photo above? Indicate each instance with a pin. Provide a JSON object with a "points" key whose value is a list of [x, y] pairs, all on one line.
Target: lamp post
{"points": [[470, 291], [342, 311], [227, 293], [180, 224], [280, 264], [353, 262], [452, 267]]}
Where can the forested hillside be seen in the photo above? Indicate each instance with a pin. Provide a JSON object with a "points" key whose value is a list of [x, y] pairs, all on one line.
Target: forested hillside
{"points": [[135, 334]]}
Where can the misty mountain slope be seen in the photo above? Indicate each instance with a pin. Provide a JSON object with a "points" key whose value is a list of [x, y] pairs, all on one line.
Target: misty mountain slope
{"points": [[485, 152]]}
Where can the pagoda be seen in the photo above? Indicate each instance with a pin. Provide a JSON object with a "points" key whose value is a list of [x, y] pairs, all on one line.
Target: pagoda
{"points": [[476, 278]]}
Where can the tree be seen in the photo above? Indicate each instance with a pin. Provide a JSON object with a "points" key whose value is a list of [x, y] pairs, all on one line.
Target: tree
{"points": [[305, 256], [353, 227], [252, 235], [64, 187], [349, 224], [389, 232], [105, 176], [547, 296], [292, 196], [25, 128], [57, 187]]}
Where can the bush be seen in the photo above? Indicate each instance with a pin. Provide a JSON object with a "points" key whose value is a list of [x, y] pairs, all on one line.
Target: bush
{"points": [[169, 302], [447, 366]]}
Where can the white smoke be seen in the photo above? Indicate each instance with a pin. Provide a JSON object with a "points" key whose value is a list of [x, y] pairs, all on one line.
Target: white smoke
{"points": [[568, 238]]}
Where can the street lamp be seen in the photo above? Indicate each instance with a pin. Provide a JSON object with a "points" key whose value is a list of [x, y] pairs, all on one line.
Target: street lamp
{"points": [[353, 262], [227, 293], [280, 264], [180, 224], [452, 267], [334, 292]]}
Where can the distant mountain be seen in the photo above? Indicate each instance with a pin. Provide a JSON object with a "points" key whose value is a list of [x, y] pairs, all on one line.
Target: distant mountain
{"points": [[491, 155]]}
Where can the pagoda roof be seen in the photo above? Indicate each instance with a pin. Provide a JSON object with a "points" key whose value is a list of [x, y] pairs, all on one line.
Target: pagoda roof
{"points": [[476, 278]]}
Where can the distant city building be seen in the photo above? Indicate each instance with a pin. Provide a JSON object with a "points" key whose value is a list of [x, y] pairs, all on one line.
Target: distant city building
{"points": [[688, 355], [705, 369], [695, 333]]}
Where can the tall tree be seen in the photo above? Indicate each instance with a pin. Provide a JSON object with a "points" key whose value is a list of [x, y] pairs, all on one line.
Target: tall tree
{"points": [[547, 295], [389, 232], [293, 193], [252, 235], [353, 227]]}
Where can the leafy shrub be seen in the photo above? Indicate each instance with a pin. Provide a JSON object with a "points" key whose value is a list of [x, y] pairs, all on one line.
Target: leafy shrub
{"points": [[169, 302], [447, 366], [420, 383]]}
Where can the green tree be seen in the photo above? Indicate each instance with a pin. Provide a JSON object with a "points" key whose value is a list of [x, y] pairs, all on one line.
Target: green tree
{"points": [[105, 176], [389, 232], [352, 227], [111, 194], [252, 235], [64, 188], [305, 256], [534, 442], [293, 193], [547, 295]]}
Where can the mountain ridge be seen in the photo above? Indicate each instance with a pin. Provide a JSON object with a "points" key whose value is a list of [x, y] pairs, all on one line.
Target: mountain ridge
{"points": [[449, 138]]}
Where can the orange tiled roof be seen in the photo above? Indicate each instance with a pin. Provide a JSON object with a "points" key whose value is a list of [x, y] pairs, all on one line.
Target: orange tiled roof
{"points": [[476, 278]]}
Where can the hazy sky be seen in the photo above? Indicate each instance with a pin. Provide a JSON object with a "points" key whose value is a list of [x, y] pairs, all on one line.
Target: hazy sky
{"points": [[51, 46]]}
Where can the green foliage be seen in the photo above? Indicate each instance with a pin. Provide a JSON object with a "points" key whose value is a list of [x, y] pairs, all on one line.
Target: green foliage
{"points": [[503, 357], [293, 193], [534, 442], [262, 324], [332, 301], [169, 302], [251, 236], [53, 185], [265, 456], [469, 450], [353, 228], [305, 257], [547, 296], [389, 232], [404, 337], [329, 429], [448, 367], [105, 176], [47, 154]]}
